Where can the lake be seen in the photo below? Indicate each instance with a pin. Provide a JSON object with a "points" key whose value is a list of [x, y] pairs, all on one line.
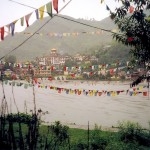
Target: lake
{"points": [[75, 103]]}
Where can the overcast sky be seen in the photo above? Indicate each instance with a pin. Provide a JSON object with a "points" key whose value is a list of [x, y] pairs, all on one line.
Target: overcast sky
{"points": [[86, 9]]}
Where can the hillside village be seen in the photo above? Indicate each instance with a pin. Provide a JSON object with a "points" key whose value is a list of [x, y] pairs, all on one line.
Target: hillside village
{"points": [[64, 66]]}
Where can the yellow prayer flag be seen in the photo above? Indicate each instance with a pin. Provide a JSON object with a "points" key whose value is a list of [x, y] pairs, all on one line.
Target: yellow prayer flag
{"points": [[41, 11], [141, 87], [113, 93]]}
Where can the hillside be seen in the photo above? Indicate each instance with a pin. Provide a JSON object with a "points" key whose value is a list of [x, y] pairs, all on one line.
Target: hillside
{"points": [[40, 44]]}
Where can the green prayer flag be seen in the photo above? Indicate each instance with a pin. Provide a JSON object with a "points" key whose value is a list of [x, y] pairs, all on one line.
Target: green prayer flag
{"points": [[49, 8], [22, 21]]}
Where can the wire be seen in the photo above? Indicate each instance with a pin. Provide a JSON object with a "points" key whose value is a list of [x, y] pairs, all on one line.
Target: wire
{"points": [[34, 32], [85, 24]]}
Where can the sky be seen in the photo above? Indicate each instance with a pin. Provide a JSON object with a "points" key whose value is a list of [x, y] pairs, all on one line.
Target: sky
{"points": [[86, 9], [89, 9]]}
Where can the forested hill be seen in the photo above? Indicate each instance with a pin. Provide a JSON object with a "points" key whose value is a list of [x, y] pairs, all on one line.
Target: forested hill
{"points": [[61, 33]]}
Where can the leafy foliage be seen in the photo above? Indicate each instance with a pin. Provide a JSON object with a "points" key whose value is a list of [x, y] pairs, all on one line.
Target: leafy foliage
{"points": [[59, 131], [134, 27], [10, 59], [133, 132], [23, 118], [97, 141]]}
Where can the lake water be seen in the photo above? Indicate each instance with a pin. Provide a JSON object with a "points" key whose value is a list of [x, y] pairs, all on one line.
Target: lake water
{"points": [[76, 109]]}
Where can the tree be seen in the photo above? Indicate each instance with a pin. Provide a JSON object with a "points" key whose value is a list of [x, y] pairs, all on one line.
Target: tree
{"points": [[10, 59], [133, 23], [70, 63], [60, 133]]}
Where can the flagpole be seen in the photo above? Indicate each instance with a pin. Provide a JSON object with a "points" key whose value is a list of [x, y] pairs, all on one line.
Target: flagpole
{"points": [[148, 88]]}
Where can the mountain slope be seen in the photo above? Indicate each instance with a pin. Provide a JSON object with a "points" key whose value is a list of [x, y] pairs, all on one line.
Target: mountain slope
{"points": [[40, 44]]}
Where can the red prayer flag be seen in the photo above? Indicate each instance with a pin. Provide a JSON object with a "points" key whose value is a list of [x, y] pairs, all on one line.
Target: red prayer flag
{"points": [[50, 78], [2, 33], [99, 93], [55, 5], [35, 80], [111, 71], [144, 93], [27, 17], [64, 68], [73, 75], [130, 39], [131, 9], [52, 68]]}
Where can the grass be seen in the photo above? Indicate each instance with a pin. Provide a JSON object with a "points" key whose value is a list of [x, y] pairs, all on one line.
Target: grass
{"points": [[77, 135], [104, 140], [19, 130]]}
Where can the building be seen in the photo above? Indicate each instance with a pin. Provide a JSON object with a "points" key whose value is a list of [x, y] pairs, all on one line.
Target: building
{"points": [[53, 59], [78, 57], [42, 72], [93, 58]]}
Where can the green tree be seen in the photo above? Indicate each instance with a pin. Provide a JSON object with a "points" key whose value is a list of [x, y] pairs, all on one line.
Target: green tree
{"points": [[10, 59], [70, 63], [60, 134], [133, 23]]}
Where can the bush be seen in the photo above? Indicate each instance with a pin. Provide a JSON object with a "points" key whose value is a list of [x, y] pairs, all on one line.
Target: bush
{"points": [[133, 132], [80, 146], [97, 141], [117, 145]]}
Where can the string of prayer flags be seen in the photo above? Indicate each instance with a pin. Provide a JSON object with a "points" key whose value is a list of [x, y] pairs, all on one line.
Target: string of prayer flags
{"points": [[131, 92], [39, 14], [60, 35]]}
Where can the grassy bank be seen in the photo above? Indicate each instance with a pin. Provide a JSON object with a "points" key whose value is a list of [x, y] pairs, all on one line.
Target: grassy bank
{"points": [[129, 136], [23, 132]]}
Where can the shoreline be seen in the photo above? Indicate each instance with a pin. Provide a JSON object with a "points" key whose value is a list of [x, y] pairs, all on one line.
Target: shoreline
{"points": [[85, 127]]}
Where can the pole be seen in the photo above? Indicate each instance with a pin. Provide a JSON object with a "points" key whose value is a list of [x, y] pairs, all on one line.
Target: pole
{"points": [[88, 136], [148, 87]]}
